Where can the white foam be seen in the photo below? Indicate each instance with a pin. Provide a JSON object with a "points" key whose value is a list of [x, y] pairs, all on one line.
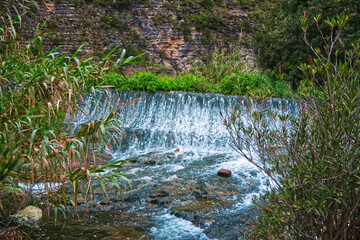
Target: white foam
{"points": [[41, 187], [170, 227]]}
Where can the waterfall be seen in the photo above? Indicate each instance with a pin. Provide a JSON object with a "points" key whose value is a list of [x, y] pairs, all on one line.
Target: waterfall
{"points": [[184, 136], [164, 121]]}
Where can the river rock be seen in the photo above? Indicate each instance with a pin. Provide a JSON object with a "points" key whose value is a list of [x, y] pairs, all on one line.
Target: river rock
{"points": [[224, 173], [31, 213]]}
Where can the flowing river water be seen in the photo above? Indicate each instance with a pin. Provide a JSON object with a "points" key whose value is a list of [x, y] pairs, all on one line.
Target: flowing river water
{"points": [[175, 144]]}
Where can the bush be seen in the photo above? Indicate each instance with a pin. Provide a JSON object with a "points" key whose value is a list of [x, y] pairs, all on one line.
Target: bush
{"points": [[185, 30], [125, 4], [312, 157], [246, 83], [146, 81], [158, 18], [207, 4], [207, 21], [219, 64], [35, 145], [279, 39]]}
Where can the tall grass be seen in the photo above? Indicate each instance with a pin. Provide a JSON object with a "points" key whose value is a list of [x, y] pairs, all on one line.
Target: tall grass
{"points": [[40, 92], [219, 64]]}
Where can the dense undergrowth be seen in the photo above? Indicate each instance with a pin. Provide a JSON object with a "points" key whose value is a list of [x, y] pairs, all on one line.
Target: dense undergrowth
{"points": [[312, 158], [40, 94], [240, 84]]}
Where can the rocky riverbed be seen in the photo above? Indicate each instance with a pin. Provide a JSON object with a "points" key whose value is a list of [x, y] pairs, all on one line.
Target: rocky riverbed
{"points": [[174, 144], [174, 188]]}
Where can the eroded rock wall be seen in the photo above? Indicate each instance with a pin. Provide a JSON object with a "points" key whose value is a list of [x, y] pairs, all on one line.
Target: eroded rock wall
{"points": [[172, 32]]}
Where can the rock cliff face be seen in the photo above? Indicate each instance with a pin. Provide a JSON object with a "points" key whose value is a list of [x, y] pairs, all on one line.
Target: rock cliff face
{"points": [[172, 32]]}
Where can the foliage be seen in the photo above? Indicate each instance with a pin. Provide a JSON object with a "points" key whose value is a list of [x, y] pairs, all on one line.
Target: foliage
{"points": [[124, 4], [158, 18], [219, 64], [207, 4], [251, 83], [185, 30], [207, 21], [311, 157], [278, 35], [40, 93], [115, 22], [223, 72], [242, 84], [153, 82]]}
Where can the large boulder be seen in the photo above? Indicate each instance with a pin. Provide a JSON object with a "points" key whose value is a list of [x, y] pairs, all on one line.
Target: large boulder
{"points": [[30, 213]]}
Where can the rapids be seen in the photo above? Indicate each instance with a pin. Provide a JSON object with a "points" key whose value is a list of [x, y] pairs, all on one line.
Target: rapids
{"points": [[176, 142]]}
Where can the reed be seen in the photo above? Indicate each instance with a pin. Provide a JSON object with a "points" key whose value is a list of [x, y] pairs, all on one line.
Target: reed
{"points": [[40, 94]]}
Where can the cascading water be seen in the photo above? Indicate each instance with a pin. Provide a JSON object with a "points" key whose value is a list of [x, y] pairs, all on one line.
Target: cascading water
{"points": [[177, 142]]}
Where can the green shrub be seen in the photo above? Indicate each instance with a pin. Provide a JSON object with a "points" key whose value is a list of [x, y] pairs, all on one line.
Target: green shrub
{"points": [[279, 39], [125, 4], [158, 18], [185, 30], [312, 157], [246, 83], [147, 81], [242, 84], [113, 22], [219, 64], [207, 21], [208, 4], [246, 25], [35, 144], [105, 21]]}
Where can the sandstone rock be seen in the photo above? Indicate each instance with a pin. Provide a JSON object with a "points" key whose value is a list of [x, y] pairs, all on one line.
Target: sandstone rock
{"points": [[31, 213], [224, 173]]}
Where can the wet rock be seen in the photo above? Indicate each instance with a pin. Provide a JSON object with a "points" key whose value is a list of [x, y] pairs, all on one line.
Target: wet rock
{"points": [[197, 195], [224, 173], [160, 197], [233, 226], [199, 212], [136, 195], [160, 193], [120, 224], [30, 213], [105, 202], [184, 215]]}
